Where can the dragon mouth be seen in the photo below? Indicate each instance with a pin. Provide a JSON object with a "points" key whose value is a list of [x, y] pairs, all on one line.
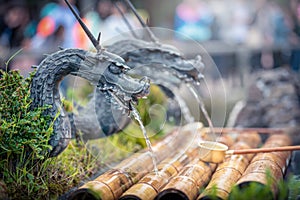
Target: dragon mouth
{"points": [[126, 99], [145, 89]]}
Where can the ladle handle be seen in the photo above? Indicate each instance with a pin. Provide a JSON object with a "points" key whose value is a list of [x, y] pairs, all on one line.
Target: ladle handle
{"points": [[263, 150], [248, 130]]}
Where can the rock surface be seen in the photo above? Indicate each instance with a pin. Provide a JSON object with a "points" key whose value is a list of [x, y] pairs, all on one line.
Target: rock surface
{"points": [[272, 101]]}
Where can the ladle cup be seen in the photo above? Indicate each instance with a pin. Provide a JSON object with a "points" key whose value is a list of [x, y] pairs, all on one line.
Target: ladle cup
{"points": [[215, 152]]}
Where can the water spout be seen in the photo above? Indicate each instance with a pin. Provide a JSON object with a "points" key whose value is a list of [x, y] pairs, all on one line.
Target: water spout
{"points": [[137, 117]]}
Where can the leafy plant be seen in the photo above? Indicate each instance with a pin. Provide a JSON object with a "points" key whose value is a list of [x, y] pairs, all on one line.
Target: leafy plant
{"points": [[22, 129], [25, 170], [287, 189], [24, 135], [75, 165]]}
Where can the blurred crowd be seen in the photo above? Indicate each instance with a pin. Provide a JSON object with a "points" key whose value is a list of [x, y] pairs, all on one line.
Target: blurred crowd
{"points": [[55, 27], [261, 24], [270, 26], [255, 23]]}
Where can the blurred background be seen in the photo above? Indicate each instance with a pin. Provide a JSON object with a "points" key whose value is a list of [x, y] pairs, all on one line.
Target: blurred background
{"points": [[267, 29], [241, 36]]}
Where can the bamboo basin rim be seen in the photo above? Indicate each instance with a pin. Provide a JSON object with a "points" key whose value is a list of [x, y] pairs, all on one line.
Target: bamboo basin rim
{"points": [[214, 146]]}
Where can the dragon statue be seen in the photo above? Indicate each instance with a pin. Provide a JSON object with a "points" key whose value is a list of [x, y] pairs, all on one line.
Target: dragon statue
{"points": [[105, 70], [116, 91], [144, 58]]}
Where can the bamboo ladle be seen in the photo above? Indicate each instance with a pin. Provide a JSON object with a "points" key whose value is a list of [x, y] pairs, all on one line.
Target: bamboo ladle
{"points": [[215, 152], [244, 130]]}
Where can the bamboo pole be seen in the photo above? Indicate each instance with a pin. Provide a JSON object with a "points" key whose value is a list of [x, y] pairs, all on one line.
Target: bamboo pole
{"points": [[252, 140], [112, 184], [274, 162], [187, 183], [191, 178], [229, 172], [149, 185]]}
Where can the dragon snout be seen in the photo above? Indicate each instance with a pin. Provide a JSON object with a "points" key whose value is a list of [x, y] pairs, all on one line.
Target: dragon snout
{"points": [[145, 90], [195, 67], [130, 89]]}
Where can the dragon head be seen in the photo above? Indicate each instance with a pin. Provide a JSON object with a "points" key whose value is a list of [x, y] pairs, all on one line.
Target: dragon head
{"points": [[141, 53], [108, 73], [138, 52]]}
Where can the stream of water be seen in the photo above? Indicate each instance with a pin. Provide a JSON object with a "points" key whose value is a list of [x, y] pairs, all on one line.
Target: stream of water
{"points": [[203, 109], [136, 115], [182, 104]]}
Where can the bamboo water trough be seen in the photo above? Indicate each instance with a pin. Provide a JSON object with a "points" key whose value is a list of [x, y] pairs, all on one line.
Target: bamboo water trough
{"points": [[113, 183], [182, 173]]}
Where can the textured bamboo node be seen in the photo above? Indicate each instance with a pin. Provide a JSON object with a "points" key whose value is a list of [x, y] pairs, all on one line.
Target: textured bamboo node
{"points": [[229, 172], [182, 173], [150, 185], [266, 169], [113, 183], [187, 184]]}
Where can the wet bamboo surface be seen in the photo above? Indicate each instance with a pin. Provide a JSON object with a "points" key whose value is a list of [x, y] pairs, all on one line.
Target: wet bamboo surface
{"points": [[229, 171], [113, 183], [191, 178], [183, 175], [149, 185], [266, 169]]}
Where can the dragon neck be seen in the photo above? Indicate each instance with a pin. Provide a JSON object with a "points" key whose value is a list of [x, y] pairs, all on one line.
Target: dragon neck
{"points": [[45, 91], [51, 71]]}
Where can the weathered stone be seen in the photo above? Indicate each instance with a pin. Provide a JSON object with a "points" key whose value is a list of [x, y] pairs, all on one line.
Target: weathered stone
{"points": [[283, 89], [272, 101], [254, 94]]}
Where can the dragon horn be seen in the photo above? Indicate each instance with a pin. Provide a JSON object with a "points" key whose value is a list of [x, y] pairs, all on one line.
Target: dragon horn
{"points": [[144, 25], [125, 20], [99, 37], [84, 27]]}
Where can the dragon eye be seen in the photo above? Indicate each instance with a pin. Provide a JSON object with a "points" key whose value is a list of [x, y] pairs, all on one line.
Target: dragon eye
{"points": [[115, 69]]}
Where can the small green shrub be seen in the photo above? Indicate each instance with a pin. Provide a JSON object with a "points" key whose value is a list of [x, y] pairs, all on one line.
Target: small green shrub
{"points": [[24, 136], [26, 172], [21, 128]]}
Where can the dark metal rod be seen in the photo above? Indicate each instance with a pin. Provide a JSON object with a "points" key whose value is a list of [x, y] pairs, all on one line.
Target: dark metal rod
{"points": [[151, 35], [125, 20], [84, 27]]}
